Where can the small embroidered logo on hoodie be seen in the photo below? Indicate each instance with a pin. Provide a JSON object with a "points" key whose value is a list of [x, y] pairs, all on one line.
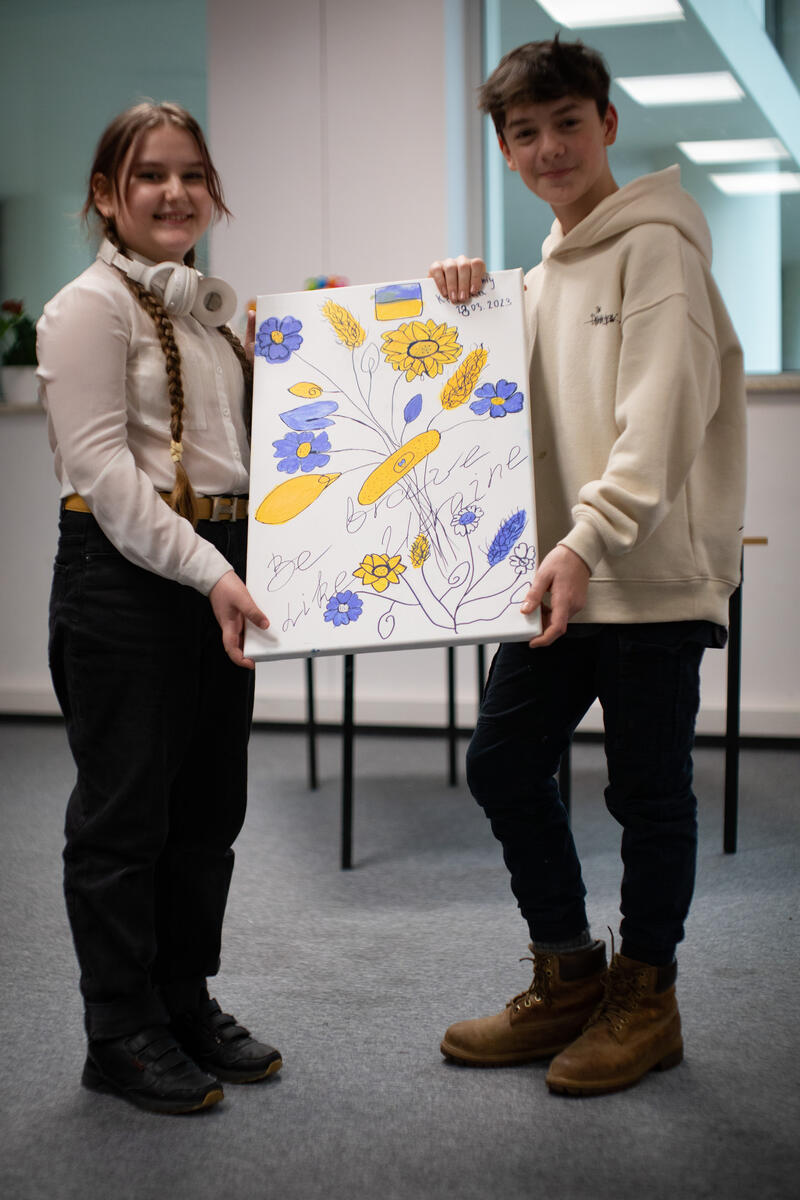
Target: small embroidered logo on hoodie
{"points": [[598, 317]]}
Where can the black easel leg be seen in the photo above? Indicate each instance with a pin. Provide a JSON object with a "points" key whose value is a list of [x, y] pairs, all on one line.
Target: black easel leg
{"points": [[452, 732], [311, 724], [347, 765], [732, 723]]}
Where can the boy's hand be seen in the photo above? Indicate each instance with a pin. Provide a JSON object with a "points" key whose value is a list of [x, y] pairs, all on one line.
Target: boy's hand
{"points": [[233, 607], [458, 278], [565, 575]]}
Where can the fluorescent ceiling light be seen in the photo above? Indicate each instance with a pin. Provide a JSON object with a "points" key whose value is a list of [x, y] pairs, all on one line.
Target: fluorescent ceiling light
{"points": [[710, 87], [582, 14], [734, 150], [759, 183]]}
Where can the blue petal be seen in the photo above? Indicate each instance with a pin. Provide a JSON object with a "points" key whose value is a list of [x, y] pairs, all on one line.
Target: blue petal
{"points": [[480, 406], [505, 389], [486, 392], [413, 408], [309, 416], [277, 352], [515, 402], [290, 325]]}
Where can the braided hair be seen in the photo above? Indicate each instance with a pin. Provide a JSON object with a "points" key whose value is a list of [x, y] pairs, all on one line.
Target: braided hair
{"points": [[112, 151]]}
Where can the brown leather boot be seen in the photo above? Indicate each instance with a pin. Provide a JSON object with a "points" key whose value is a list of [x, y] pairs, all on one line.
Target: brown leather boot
{"points": [[636, 1029], [564, 992]]}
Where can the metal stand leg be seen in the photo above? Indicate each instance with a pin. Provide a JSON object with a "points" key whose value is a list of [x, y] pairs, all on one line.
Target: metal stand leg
{"points": [[565, 779], [347, 765], [732, 723], [481, 670], [311, 724], [452, 732]]}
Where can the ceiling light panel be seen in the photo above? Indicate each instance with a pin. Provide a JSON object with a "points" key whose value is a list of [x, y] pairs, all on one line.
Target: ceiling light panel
{"points": [[711, 87], [583, 14], [734, 150], [762, 183]]}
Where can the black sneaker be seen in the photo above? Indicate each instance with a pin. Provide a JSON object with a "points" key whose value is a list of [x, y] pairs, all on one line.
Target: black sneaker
{"points": [[150, 1070], [220, 1045]]}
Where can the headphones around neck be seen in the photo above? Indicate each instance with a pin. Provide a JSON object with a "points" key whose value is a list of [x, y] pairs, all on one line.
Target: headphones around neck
{"points": [[182, 290]]}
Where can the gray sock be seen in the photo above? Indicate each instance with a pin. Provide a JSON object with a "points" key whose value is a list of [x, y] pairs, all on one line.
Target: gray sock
{"points": [[581, 942]]}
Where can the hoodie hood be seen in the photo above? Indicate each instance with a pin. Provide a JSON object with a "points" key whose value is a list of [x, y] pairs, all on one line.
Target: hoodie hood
{"points": [[651, 199]]}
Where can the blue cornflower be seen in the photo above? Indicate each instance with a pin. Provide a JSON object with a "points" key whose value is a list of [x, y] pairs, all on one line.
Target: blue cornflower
{"points": [[466, 520], [304, 450], [278, 338], [343, 608], [497, 399]]}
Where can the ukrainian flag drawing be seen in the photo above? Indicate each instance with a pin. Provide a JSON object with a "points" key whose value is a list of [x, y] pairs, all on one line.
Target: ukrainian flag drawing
{"points": [[398, 300]]}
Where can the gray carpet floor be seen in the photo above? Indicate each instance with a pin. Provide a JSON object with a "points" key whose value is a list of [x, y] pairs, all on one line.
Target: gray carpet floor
{"points": [[355, 975]]}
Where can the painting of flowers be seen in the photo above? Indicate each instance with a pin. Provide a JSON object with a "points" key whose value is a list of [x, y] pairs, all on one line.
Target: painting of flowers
{"points": [[392, 499]]}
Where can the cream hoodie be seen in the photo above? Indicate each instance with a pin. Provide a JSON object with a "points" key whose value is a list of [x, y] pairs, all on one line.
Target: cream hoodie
{"points": [[639, 407]]}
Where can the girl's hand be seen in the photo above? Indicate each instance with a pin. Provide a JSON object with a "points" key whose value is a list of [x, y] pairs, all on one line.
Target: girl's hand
{"points": [[566, 576], [458, 278], [250, 336], [233, 607]]}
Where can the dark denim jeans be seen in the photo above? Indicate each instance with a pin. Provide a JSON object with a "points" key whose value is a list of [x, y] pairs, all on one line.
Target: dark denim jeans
{"points": [[158, 720], [647, 680]]}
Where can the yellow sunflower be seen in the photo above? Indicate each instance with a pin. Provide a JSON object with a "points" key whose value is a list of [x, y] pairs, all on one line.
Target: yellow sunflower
{"points": [[379, 570], [421, 346]]}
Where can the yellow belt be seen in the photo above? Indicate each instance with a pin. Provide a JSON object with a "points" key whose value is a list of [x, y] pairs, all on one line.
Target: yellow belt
{"points": [[209, 508]]}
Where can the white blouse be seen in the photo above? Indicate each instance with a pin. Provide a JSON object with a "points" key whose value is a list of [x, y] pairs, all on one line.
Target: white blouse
{"points": [[103, 383]]}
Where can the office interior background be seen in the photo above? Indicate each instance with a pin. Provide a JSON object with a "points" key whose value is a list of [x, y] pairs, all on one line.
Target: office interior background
{"points": [[347, 138], [348, 143]]}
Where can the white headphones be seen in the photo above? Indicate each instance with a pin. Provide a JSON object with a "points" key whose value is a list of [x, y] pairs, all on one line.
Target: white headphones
{"points": [[181, 289]]}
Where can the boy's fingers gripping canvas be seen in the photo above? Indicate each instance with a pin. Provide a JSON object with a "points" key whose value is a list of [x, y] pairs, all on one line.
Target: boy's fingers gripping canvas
{"points": [[392, 496]]}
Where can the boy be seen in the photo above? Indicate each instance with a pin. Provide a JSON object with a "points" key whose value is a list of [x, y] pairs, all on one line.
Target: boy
{"points": [[638, 413]]}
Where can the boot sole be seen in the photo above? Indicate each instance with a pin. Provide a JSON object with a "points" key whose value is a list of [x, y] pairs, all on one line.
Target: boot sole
{"points": [[600, 1087], [252, 1076], [95, 1081], [465, 1059]]}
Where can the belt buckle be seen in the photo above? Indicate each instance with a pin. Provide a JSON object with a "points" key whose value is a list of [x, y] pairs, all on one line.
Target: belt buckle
{"points": [[223, 508]]}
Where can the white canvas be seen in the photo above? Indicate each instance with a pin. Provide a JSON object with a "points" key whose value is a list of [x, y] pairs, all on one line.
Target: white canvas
{"points": [[391, 493]]}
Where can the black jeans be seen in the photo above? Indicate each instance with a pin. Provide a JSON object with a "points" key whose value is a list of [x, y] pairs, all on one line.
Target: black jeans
{"points": [[647, 680], [158, 720]]}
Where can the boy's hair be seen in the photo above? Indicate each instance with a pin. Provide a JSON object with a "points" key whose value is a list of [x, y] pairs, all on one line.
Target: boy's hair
{"points": [[541, 71]]}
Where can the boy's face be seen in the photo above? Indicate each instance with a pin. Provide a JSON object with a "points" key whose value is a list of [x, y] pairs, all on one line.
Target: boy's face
{"points": [[559, 148]]}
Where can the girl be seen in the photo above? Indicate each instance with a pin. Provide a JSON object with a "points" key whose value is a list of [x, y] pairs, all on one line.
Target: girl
{"points": [[147, 421]]}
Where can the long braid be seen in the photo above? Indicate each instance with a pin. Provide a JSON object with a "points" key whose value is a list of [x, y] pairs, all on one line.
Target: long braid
{"points": [[182, 498]]}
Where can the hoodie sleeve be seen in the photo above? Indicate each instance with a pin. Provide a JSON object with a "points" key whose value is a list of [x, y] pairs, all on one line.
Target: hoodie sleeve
{"points": [[667, 391]]}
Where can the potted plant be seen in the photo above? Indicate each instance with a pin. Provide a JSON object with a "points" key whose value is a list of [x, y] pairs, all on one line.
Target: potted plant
{"points": [[17, 354]]}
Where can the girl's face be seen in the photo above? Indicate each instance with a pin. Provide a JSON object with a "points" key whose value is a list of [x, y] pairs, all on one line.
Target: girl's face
{"points": [[162, 206]]}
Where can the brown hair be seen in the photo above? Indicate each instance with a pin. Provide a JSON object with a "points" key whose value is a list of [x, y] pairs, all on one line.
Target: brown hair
{"points": [[117, 141], [542, 71]]}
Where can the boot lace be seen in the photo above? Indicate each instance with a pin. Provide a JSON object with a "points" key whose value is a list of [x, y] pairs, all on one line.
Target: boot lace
{"points": [[540, 989], [623, 991]]}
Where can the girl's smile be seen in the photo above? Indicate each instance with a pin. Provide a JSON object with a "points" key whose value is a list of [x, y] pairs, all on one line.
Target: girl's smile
{"points": [[161, 205]]}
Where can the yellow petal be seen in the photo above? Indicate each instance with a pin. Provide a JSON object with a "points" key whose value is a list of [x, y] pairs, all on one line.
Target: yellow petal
{"points": [[397, 465], [291, 497], [309, 391]]}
